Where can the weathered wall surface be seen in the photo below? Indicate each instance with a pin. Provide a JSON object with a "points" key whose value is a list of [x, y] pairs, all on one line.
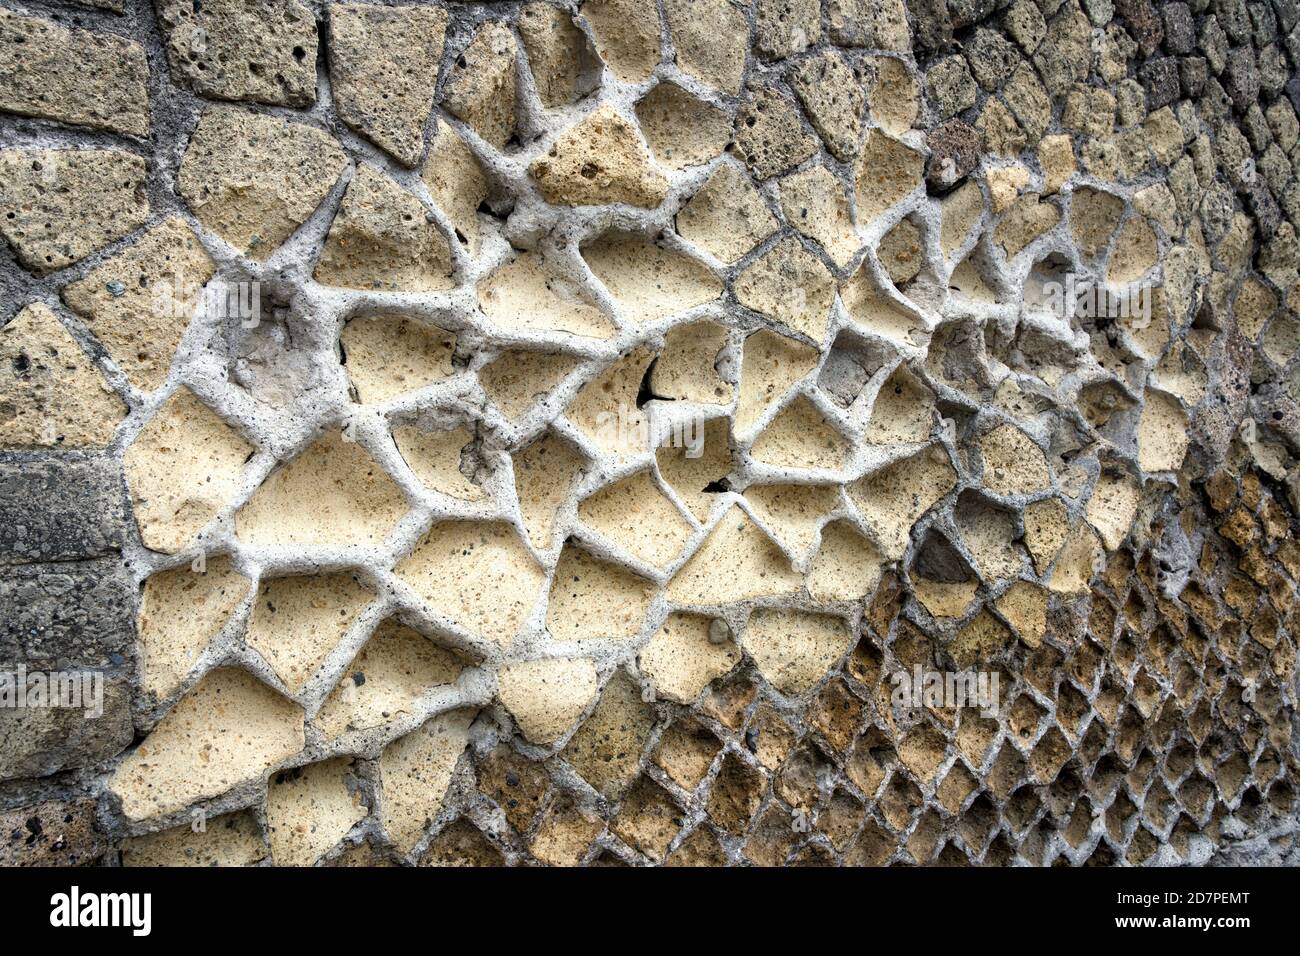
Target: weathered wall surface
{"points": [[462, 433]]}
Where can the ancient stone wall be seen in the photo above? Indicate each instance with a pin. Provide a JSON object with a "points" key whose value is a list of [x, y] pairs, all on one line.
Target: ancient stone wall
{"points": [[649, 431]]}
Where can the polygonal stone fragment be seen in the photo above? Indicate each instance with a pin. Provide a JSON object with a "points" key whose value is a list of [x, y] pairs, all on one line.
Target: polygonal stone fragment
{"points": [[801, 437], [184, 468], [383, 67], [181, 610], [254, 179], [791, 285], [332, 493], [634, 514], [481, 87], [768, 135], [435, 457], [606, 409], [710, 38], [1161, 434], [230, 840], [887, 171], [557, 53], [297, 621], [834, 99], [601, 159], [389, 354], [1013, 463], [736, 562], [697, 479], [593, 599], [792, 513], [310, 809], [815, 203], [51, 394], [517, 380], [846, 567], [230, 729], [893, 498], [72, 76], [727, 217], [682, 130], [386, 679], [794, 649], [414, 773], [140, 302], [456, 182], [770, 366], [627, 36], [649, 281], [478, 575], [684, 656], [260, 50], [545, 472], [606, 750], [382, 239], [546, 696], [58, 206], [525, 294]]}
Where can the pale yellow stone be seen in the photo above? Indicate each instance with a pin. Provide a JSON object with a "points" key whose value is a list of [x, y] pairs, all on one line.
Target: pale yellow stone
{"points": [[636, 515], [1047, 525], [682, 130], [434, 456], [1161, 434], [648, 281], [516, 380], [414, 773], [230, 729], [887, 172], [230, 840], [1056, 156], [687, 367], [396, 667], [791, 285], [1113, 507], [793, 649], [557, 51], [181, 610], [1024, 605], [627, 36], [51, 394], [547, 696], [183, 469], [793, 513], [592, 599], [728, 216], [525, 295], [254, 179], [735, 562], [893, 95], [381, 239], [606, 750], [961, 210], [903, 411], [800, 436], [476, 574], [140, 302], [310, 809], [892, 499], [847, 566], [600, 159], [390, 354], [456, 183], [695, 479], [1077, 562], [481, 88], [681, 659], [297, 621], [332, 493], [814, 202], [605, 409], [711, 38], [1013, 464], [545, 472]]}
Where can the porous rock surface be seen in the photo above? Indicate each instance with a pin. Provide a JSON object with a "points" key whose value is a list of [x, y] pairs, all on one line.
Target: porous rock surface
{"points": [[539, 432]]}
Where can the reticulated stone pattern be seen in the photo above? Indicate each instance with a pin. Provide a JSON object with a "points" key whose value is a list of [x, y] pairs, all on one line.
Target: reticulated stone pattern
{"points": [[538, 433]]}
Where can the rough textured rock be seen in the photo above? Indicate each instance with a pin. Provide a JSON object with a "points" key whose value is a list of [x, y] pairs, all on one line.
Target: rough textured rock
{"points": [[72, 76], [638, 395], [253, 180], [59, 206], [259, 50], [383, 67]]}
